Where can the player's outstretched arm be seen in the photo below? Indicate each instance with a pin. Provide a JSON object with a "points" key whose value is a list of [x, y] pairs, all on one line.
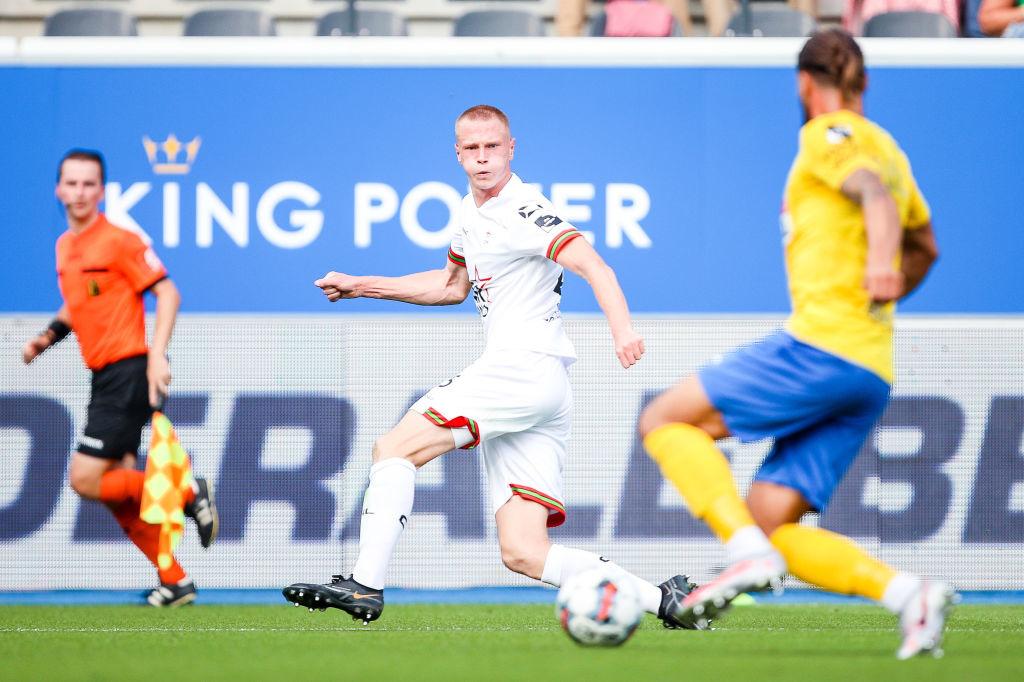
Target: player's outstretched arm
{"points": [[882, 279], [158, 368], [447, 286], [58, 329], [920, 251], [579, 256]]}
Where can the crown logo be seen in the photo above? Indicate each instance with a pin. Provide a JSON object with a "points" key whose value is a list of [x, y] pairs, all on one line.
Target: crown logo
{"points": [[171, 148]]}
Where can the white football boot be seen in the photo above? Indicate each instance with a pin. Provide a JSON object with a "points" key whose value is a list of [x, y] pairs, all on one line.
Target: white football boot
{"points": [[923, 619], [749, 575]]}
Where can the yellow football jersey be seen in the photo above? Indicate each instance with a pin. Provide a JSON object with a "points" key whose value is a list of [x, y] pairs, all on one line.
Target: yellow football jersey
{"points": [[826, 243]]}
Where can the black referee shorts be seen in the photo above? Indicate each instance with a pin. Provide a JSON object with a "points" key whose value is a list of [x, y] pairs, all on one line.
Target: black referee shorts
{"points": [[118, 409]]}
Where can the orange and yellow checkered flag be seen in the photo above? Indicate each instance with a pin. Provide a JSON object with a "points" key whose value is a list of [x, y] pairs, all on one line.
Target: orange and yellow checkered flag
{"points": [[168, 479]]}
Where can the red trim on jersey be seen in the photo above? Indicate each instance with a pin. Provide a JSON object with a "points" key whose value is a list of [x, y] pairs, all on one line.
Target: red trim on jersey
{"points": [[559, 242], [435, 417], [456, 258], [556, 509]]}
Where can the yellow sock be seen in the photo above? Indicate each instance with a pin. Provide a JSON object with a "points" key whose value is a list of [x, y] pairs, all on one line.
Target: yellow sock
{"points": [[831, 561], [699, 471]]}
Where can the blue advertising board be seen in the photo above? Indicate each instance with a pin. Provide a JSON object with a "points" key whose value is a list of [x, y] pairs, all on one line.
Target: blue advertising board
{"points": [[254, 181]]}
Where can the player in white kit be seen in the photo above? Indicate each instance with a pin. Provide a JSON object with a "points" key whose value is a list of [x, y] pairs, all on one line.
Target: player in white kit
{"points": [[514, 403]]}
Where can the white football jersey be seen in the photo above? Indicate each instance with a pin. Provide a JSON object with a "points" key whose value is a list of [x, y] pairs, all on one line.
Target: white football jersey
{"points": [[508, 247]]}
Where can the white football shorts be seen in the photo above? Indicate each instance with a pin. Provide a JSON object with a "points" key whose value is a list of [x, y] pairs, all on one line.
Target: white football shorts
{"points": [[517, 408]]}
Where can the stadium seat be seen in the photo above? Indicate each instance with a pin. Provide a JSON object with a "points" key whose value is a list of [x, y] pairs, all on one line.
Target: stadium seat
{"points": [[229, 22], [369, 22], [909, 25], [771, 20], [599, 20], [499, 22], [90, 22]]}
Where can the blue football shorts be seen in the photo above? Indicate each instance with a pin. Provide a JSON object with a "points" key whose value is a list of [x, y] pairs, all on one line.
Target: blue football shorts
{"points": [[818, 407]]}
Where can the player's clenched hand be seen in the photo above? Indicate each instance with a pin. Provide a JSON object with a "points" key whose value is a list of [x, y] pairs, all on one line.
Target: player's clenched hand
{"points": [[629, 347], [158, 373], [33, 347], [337, 285], [883, 283]]}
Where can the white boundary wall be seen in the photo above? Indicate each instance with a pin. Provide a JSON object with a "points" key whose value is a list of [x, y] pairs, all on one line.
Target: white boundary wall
{"points": [[379, 364], [595, 52]]}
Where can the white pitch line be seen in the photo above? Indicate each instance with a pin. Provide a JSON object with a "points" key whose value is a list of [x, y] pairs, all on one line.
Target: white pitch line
{"points": [[338, 629], [853, 631], [457, 629]]}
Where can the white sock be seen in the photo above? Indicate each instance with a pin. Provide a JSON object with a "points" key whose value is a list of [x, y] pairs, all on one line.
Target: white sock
{"points": [[745, 543], [564, 562], [387, 505], [899, 591]]}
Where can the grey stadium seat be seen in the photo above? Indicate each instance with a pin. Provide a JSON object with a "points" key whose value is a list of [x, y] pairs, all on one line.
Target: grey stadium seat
{"points": [[90, 22], [600, 19], [909, 25], [772, 20], [369, 22], [229, 22], [498, 22]]}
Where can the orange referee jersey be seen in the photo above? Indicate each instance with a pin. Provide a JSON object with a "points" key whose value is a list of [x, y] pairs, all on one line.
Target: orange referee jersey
{"points": [[103, 271]]}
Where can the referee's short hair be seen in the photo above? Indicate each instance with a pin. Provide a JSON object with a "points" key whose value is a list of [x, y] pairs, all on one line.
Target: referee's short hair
{"points": [[80, 154]]}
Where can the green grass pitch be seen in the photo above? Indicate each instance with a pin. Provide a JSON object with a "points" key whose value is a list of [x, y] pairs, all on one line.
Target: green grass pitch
{"points": [[488, 642]]}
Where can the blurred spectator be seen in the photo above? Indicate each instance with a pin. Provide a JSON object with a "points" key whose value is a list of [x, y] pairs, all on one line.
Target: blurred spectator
{"points": [[1002, 18], [971, 27], [718, 19], [856, 13], [571, 18], [641, 19]]}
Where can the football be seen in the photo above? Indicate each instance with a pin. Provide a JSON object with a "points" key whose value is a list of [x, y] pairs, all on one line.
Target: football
{"points": [[598, 607]]}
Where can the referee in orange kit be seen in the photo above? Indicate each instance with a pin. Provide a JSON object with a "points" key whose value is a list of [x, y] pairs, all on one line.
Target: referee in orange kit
{"points": [[103, 271]]}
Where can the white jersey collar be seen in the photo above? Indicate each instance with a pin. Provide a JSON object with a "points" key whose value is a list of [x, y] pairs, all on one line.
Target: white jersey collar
{"points": [[512, 186]]}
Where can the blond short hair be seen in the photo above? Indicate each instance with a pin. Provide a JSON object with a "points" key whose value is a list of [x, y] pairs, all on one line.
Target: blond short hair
{"points": [[482, 112]]}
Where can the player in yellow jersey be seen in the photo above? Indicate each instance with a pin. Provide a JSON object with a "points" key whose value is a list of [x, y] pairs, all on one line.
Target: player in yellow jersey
{"points": [[858, 236]]}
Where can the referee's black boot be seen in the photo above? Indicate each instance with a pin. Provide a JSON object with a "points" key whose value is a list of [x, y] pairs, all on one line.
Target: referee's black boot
{"points": [[173, 594], [203, 511], [361, 602]]}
